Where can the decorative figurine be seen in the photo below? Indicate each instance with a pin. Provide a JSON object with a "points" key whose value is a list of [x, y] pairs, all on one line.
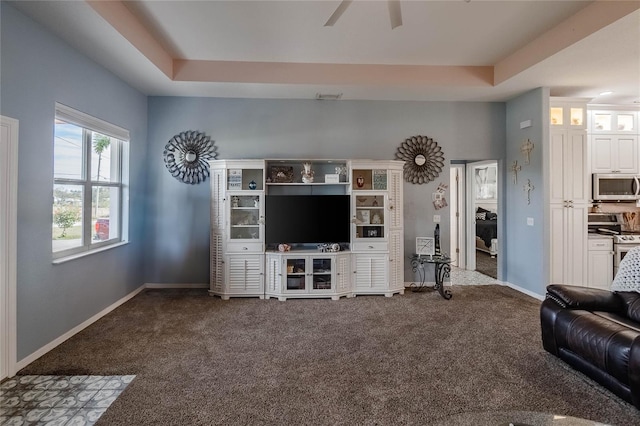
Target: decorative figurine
{"points": [[234, 202], [360, 181], [307, 173]]}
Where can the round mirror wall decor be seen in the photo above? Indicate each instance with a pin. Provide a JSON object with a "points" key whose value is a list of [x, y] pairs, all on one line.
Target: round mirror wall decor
{"points": [[423, 159], [187, 156]]}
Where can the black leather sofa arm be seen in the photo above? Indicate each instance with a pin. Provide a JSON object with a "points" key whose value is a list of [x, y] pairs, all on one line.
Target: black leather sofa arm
{"points": [[591, 299]]}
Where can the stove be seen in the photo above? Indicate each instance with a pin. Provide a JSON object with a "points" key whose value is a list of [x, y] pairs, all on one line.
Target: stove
{"points": [[627, 239]]}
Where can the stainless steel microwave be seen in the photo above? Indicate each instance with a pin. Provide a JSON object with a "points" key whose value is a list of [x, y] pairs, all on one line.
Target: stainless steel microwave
{"points": [[616, 187]]}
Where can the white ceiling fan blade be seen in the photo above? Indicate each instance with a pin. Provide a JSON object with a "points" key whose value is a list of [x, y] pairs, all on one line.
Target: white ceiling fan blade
{"points": [[338, 12], [395, 14]]}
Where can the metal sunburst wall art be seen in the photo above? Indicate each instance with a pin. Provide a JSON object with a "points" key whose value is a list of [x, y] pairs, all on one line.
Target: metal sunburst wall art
{"points": [[423, 159], [187, 154]]}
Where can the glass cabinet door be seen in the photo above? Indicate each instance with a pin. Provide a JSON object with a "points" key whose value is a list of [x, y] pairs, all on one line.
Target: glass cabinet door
{"points": [[296, 274], [568, 116], [245, 217], [321, 274], [369, 216], [369, 179], [613, 122]]}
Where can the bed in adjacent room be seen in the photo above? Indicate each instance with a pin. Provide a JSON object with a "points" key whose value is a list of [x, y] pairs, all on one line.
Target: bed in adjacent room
{"points": [[487, 229]]}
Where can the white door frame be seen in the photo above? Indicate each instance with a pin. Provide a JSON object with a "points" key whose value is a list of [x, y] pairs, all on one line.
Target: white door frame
{"points": [[471, 209], [458, 217], [8, 245]]}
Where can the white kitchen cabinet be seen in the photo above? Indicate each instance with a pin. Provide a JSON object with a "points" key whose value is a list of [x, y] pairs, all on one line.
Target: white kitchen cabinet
{"points": [[568, 193], [613, 122], [614, 153], [568, 251], [600, 263], [302, 274]]}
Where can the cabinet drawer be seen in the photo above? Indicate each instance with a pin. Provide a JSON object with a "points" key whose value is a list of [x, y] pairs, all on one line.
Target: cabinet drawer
{"points": [[244, 247], [601, 244], [367, 246]]}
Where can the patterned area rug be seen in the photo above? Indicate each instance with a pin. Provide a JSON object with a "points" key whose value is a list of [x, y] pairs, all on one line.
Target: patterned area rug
{"points": [[486, 265], [58, 400]]}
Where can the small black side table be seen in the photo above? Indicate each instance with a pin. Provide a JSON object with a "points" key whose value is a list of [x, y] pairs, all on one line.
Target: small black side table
{"points": [[442, 267]]}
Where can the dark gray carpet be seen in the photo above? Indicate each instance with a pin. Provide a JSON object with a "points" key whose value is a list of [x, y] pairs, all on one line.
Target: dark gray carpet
{"points": [[412, 359]]}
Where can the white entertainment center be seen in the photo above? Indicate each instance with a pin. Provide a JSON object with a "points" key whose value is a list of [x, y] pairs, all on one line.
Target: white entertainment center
{"points": [[368, 260]]}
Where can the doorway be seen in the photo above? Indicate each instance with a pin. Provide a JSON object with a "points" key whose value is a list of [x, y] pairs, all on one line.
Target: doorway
{"points": [[482, 217], [8, 242], [474, 216]]}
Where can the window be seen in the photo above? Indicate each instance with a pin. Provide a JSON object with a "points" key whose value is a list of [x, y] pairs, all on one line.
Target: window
{"points": [[90, 163]]}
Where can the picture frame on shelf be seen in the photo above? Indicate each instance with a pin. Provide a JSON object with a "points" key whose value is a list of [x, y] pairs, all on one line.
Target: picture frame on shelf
{"points": [[234, 179], [425, 246], [281, 174], [364, 217]]}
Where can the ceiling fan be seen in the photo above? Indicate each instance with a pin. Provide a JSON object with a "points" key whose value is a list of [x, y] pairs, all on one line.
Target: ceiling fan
{"points": [[395, 14]]}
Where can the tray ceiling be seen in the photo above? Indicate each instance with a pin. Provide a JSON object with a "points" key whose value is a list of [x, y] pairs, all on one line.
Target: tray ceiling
{"points": [[453, 50]]}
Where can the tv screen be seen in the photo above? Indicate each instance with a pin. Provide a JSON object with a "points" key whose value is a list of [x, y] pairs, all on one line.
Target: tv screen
{"points": [[310, 219]]}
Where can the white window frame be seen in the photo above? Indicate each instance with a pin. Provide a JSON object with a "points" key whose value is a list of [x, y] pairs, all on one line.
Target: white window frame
{"points": [[91, 124]]}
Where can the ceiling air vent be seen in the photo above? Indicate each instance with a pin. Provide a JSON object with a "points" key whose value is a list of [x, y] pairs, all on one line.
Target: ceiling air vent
{"points": [[328, 96]]}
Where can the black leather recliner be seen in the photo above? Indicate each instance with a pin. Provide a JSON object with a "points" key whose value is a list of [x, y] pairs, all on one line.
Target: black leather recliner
{"points": [[596, 332]]}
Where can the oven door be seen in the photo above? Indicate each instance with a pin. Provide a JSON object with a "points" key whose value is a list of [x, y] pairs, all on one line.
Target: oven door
{"points": [[620, 252]]}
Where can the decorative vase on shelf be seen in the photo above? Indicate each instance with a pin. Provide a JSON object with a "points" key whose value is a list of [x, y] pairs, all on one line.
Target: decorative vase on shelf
{"points": [[253, 184], [307, 173], [360, 181]]}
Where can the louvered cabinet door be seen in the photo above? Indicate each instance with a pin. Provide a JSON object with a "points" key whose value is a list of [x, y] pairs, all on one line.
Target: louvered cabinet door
{"points": [[343, 277], [370, 271], [273, 275], [395, 199], [217, 264], [244, 275], [396, 261], [217, 200]]}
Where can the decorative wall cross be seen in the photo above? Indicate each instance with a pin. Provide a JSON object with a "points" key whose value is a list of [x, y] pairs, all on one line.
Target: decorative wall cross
{"points": [[528, 187], [526, 149], [515, 168]]}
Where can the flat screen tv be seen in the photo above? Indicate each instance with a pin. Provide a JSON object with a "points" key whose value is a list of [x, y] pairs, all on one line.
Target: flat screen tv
{"points": [[307, 219]]}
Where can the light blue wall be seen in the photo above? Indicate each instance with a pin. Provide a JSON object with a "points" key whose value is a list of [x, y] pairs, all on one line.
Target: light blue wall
{"points": [[523, 248], [37, 70], [178, 214]]}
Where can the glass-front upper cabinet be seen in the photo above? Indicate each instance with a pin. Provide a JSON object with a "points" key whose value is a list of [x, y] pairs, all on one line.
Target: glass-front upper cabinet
{"points": [[614, 121], [369, 216], [568, 115], [369, 180], [246, 178], [246, 216]]}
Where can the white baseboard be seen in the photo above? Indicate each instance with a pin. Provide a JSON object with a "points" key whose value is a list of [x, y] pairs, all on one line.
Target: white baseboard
{"points": [[524, 290], [51, 345], [175, 285]]}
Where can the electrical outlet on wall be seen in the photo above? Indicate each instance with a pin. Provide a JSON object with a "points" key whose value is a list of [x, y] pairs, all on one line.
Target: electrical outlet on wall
{"points": [[436, 218], [529, 221]]}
